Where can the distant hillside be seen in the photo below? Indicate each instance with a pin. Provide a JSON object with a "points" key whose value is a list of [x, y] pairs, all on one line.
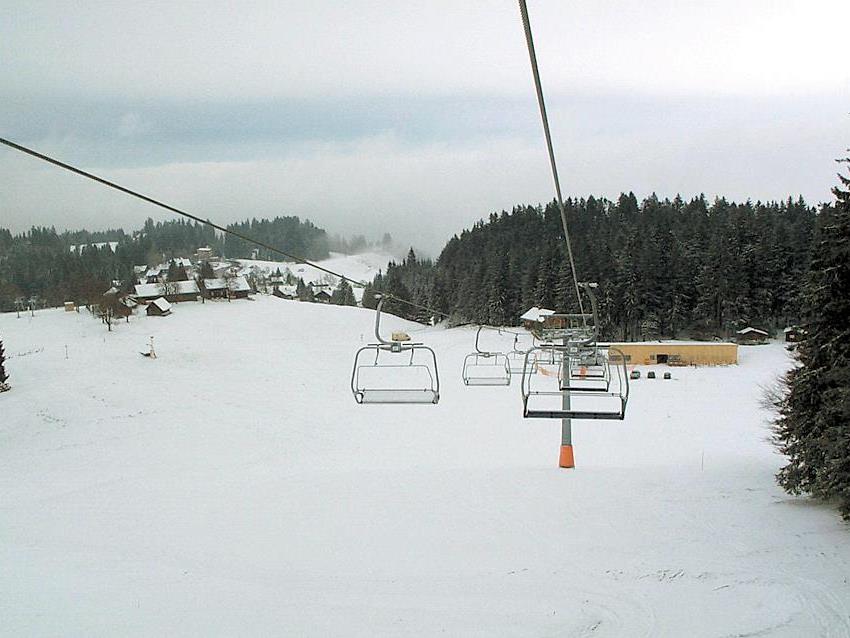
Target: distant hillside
{"points": [[79, 265]]}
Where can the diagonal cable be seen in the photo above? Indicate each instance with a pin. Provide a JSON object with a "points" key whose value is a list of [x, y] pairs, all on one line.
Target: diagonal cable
{"points": [[262, 244], [539, 87]]}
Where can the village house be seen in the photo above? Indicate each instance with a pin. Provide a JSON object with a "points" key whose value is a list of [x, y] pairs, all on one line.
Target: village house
{"points": [[204, 253], [238, 288], [214, 288], [793, 334], [534, 316], [321, 294], [159, 307], [750, 336], [173, 291], [286, 292]]}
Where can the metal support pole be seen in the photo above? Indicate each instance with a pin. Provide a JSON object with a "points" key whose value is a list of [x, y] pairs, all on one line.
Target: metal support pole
{"points": [[566, 459]]}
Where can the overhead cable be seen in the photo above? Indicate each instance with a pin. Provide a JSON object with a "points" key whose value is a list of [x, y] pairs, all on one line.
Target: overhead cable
{"points": [[229, 231], [541, 103]]}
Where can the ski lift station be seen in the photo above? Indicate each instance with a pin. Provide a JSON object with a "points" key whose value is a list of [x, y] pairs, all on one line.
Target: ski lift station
{"points": [[679, 353]]}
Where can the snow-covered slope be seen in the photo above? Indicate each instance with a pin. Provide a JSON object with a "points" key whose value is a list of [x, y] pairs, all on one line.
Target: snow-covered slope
{"points": [[233, 487], [362, 267]]}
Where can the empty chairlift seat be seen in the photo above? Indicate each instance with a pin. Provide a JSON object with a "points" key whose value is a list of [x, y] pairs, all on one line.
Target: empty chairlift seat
{"points": [[565, 389], [397, 371], [486, 368]]}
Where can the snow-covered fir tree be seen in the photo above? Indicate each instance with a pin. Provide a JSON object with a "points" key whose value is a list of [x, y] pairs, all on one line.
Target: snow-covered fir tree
{"points": [[813, 427], [4, 376]]}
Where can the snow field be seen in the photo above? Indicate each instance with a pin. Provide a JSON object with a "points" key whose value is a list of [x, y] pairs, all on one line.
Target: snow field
{"points": [[233, 487]]}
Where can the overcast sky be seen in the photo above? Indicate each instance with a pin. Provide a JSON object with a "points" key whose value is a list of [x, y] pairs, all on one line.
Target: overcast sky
{"points": [[415, 118]]}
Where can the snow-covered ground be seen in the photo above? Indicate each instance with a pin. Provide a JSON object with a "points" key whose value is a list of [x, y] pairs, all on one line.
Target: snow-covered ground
{"points": [[362, 267], [233, 487]]}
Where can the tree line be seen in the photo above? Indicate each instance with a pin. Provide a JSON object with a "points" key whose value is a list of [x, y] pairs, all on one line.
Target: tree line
{"points": [[664, 267]]}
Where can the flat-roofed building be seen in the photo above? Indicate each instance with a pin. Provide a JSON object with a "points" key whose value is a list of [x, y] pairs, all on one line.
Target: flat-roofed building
{"points": [[678, 353]]}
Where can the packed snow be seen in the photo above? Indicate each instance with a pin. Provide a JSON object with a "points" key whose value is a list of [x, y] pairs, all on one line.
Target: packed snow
{"points": [[232, 486]]}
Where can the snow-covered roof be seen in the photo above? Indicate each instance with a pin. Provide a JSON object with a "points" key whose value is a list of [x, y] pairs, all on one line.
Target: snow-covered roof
{"points": [[149, 291], [215, 284], [240, 284], [162, 304], [290, 291], [536, 314], [750, 330], [112, 291], [186, 287]]}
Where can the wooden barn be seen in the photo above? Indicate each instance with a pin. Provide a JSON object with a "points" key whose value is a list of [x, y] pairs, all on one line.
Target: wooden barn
{"points": [[159, 308], [750, 336], [534, 316]]}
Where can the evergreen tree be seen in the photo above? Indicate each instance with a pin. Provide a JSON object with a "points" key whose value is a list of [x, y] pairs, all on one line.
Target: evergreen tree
{"points": [[343, 295], [369, 299], [813, 426], [303, 291], [4, 376]]}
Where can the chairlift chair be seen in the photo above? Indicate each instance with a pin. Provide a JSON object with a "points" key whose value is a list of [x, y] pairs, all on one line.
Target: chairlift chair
{"points": [[516, 358], [560, 396], [576, 378], [486, 368], [397, 371]]}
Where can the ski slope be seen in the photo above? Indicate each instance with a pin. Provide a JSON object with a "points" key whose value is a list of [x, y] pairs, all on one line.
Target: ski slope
{"points": [[233, 487], [361, 267]]}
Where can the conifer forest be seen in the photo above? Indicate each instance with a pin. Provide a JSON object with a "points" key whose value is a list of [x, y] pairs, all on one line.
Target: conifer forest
{"points": [[666, 268]]}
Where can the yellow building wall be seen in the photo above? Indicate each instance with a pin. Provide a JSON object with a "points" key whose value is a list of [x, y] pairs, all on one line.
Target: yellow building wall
{"points": [[701, 354]]}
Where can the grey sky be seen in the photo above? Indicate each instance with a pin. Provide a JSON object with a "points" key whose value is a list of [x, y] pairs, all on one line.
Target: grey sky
{"points": [[416, 118]]}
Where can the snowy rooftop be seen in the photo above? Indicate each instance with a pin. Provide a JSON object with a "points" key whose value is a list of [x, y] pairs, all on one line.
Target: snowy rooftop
{"points": [[751, 330], [536, 314], [162, 304], [148, 291], [239, 284], [288, 290], [215, 284]]}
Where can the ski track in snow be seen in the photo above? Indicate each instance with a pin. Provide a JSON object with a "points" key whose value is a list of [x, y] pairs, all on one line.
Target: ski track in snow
{"points": [[233, 486]]}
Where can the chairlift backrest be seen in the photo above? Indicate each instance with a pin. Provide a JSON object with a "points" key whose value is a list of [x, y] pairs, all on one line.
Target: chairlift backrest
{"points": [[485, 368], [398, 370], [576, 378]]}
